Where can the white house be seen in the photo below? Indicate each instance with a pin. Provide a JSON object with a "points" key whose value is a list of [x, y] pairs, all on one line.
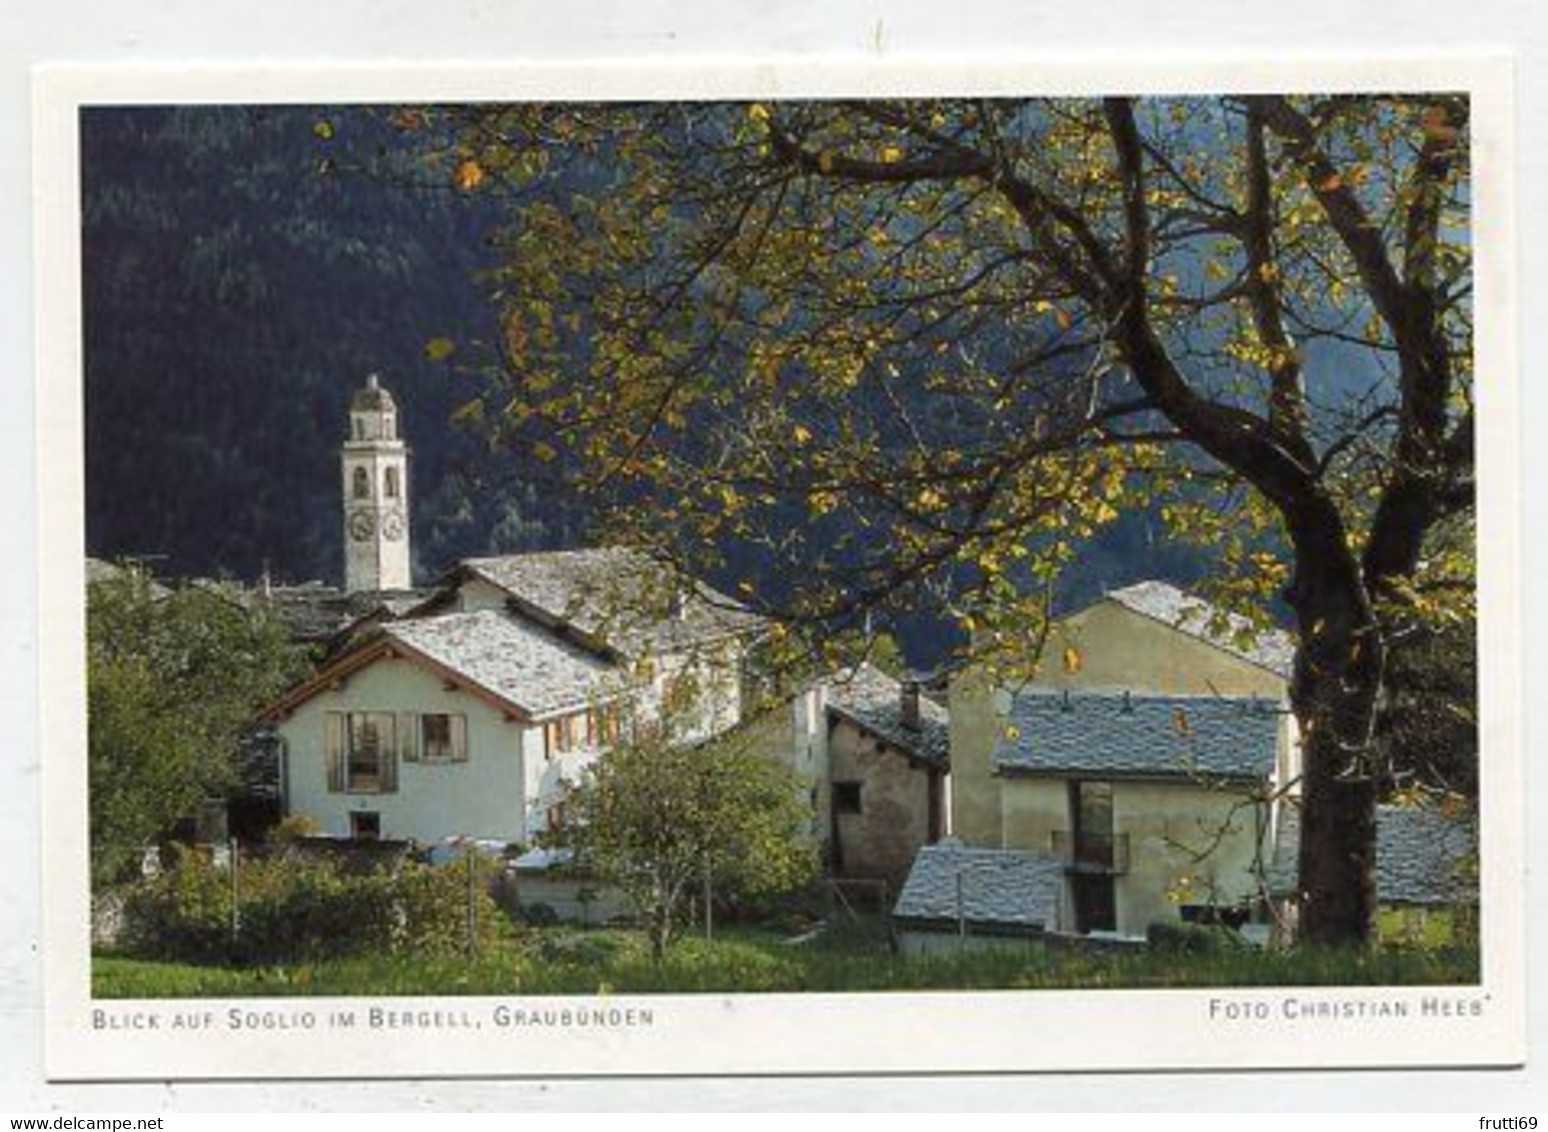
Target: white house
{"points": [[468, 713]]}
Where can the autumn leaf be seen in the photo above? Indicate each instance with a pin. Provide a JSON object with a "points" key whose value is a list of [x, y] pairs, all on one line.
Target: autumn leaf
{"points": [[439, 349], [1071, 659], [470, 174], [1436, 124], [823, 502], [406, 119]]}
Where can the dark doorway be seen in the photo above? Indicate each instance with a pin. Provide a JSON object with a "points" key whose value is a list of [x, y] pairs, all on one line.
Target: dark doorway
{"points": [[1092, 860], [1096, 905]]}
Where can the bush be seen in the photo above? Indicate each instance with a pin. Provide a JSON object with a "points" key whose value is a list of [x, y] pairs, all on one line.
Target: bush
{"points": [[539, 915], [296, 910], [294, 827], [574, 948], [1191, 939]]}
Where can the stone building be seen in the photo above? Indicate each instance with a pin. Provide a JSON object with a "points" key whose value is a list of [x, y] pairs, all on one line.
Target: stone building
{"points": [[1149, 760]]}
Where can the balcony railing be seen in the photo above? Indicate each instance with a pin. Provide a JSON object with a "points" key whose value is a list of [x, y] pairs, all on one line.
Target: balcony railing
{"points": [[1092, 852]]}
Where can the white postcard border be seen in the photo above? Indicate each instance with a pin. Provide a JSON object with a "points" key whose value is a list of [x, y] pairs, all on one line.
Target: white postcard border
{"points": [[764, 1034]]}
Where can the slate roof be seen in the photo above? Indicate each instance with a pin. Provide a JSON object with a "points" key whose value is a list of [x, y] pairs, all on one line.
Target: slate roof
{"points": [[519, 662], [314, 612], [1000, 887], [1138, 735], [616, 596], [1272, 649], [1423, 856], [871, 699]]}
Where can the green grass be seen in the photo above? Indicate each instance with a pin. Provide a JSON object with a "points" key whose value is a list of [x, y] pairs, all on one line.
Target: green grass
{"points": [[577, 961]]}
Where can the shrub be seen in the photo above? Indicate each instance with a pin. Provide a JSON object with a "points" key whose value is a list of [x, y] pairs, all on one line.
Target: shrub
{"points": [[576, 948], [294, 910], [539, 915], [294, 827], [1191, 939]]}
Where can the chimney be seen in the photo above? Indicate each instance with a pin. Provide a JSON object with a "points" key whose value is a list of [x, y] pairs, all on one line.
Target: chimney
{"points": [[909, 704]]}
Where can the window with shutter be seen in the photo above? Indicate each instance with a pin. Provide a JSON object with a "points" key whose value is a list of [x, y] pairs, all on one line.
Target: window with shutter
{"points": [[333, 750], [368, 758], [442, 737], [388, 772], [436, 738], [408, 737]]}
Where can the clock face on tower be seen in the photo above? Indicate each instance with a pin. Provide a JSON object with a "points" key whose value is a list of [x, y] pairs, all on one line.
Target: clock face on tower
{"points": [[361, 524], [392, 526]]}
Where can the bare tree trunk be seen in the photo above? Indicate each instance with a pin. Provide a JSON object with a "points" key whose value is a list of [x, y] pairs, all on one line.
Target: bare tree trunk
{"points": [[1338, 832], [1335, 694]]}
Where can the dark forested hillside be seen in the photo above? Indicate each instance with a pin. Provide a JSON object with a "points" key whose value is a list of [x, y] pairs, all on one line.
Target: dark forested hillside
{"points": [[243, 275], [245, 269]]}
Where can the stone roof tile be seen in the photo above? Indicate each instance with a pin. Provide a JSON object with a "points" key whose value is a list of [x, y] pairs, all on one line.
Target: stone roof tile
{"points": [[1102, 733], [518, 661], [617, 596], [1423, 856], [1003, 887], [871, 699]]}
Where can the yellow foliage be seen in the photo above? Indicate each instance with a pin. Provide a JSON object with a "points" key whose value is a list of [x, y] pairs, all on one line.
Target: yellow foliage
{"points": [[469, 175]]}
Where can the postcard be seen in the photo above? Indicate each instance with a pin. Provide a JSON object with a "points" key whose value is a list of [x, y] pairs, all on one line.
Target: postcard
{"points": [[778, 568]]}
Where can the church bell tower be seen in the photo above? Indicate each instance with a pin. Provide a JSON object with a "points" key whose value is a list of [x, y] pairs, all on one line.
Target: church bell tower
{"points": [[376, 521]]}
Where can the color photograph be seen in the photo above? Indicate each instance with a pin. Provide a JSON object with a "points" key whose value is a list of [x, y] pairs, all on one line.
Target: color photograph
{"points": [[551, 560]]}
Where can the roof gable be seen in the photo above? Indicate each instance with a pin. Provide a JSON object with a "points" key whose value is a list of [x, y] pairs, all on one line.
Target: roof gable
{"points": [[872, 700], [517, 666], [1270, 649]]}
